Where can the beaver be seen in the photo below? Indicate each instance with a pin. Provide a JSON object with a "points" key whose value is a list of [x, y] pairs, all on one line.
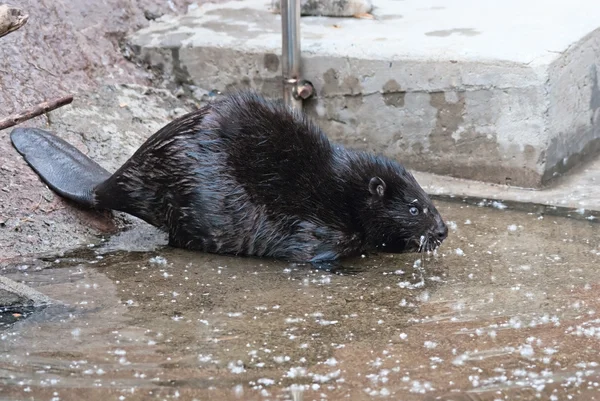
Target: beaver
{"points": [[248, 176]]}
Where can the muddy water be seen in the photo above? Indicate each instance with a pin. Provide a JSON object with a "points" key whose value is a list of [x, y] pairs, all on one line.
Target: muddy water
{"points": [[507, 309]]}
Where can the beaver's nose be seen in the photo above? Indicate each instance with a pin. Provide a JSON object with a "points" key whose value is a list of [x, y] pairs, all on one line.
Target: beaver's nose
{"points": [[441, 231]]}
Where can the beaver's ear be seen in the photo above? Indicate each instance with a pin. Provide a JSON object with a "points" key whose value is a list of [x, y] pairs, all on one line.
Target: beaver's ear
{"points": [[377, 187]]}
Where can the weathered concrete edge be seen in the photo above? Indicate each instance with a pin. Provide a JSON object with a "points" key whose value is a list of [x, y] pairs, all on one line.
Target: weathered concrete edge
{"points": [[208, 68], [475, 74], [553, 201], [573, 116]]}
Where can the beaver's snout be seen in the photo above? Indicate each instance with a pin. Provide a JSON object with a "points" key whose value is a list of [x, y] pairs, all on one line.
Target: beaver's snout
{"points": [[440, 230]]}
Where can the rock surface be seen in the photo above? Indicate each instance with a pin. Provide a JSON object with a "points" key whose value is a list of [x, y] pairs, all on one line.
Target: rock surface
{"points": [[108, 124], [16, 295], [74, 47]]}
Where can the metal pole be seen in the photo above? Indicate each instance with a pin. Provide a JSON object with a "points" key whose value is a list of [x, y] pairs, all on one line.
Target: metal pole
{"points": [[290, 26]]}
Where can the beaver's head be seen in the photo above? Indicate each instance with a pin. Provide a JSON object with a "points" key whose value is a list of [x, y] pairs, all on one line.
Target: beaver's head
{"points": [[398, 215]]}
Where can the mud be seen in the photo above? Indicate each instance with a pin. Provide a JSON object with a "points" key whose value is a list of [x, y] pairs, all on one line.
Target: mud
{"points": [[505, 310]]}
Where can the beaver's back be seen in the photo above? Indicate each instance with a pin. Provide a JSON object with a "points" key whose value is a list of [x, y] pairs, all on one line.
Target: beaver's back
{"points": [[243, 175]]}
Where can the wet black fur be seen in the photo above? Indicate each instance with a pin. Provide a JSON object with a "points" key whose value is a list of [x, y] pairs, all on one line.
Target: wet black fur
{"points": [[247, 176]]}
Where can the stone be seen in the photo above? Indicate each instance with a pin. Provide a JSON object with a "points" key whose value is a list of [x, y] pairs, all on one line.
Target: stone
{"points": [[14, 296]]}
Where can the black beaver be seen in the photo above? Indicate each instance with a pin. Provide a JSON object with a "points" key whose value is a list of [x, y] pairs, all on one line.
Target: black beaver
{"points": [[248, 176]]}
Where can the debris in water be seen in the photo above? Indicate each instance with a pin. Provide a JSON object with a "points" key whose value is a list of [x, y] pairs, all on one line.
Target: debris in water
{"points": [[158, 260]]}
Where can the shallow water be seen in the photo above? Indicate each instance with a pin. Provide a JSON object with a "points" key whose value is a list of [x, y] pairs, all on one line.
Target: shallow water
{"points": [[505, 310]]}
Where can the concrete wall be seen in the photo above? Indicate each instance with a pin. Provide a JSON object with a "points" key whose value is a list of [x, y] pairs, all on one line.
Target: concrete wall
{"points": [[508, 101], [574, 107], [447, 119]]}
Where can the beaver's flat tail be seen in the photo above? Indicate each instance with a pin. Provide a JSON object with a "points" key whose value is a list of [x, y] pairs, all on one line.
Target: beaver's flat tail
{"points": [[61, 166]]}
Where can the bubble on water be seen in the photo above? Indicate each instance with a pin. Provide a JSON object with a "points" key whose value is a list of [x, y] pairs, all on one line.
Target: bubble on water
{"points": [[452, 225], [526, 350], [265, 381], [460, 360], [459, 252], [236, 367], [238, 390], [430, 344], [296, 372], [515, 323], [376, 363], [424, 296], [418, 387], [331, 362], [327, 377], [76, 332], [512, 227], [403, 336], [467, 222], [158, 260], [498, 205]]}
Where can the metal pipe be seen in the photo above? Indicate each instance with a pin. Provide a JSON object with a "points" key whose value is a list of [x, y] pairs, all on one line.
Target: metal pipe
{"points": [[290, 65]]}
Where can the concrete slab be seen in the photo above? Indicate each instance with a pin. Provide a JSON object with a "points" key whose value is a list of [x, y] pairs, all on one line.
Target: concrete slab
{"points": [[479, 90], [577, 197]]}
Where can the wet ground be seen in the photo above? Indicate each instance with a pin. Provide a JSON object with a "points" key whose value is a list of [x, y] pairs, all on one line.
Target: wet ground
{"points": [[505, 310]]}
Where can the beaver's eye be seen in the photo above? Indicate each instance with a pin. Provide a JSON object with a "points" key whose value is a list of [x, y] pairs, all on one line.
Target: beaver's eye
{"points": [[414, 211]]}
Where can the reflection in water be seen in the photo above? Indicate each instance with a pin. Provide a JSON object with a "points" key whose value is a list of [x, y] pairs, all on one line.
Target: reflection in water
{"points": [[505, 310]]}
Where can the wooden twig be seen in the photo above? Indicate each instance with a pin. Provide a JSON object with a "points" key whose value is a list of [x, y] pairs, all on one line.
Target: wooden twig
{"points": [[11, 19], [35, 111]]}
